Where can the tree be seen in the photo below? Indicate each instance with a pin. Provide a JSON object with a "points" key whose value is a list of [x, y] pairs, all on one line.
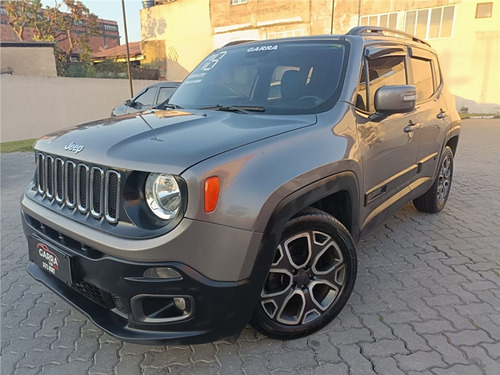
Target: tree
{"points": [[24, 14], [75, 26]]}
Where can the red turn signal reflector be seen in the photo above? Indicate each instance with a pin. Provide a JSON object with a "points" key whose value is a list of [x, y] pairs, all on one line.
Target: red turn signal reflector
{"points": [[212, 188]]}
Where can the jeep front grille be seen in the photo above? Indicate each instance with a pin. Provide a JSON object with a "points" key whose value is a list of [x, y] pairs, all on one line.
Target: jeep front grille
{"points": [[87, 188]]}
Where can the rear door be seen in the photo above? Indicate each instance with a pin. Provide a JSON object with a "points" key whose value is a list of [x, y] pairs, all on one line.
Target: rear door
{"points": [[425, 75], [389, 150]]}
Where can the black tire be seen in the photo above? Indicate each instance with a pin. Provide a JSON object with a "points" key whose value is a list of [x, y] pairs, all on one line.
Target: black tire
{"points": [[435, 198], [311, 278]]}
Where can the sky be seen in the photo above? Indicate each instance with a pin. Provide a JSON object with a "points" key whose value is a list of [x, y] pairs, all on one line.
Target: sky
{"points": [[112, 10]]}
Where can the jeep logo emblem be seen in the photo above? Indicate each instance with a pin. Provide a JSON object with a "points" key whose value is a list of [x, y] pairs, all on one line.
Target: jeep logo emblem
{"points": [[74, 147]]}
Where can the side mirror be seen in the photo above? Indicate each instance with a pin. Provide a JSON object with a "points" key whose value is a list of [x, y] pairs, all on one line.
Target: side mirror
{"points": [[395, 99], [128, 103]]}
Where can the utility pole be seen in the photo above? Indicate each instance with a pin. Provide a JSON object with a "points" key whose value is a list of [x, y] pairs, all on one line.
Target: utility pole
{"points": [[128, 50]]}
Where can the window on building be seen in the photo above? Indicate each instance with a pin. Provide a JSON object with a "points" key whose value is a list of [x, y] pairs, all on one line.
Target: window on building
{"points": [[382, 20], [484, 10], [422, 78], [108, 27], [285, 34], [430, 23], [237, 2]]}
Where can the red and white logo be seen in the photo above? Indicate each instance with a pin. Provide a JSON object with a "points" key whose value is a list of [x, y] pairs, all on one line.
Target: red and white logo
{"points": [[52, 260]]}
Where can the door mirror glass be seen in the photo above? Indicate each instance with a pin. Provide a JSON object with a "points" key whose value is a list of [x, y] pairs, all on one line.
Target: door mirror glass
{"points": [[128, 103]]}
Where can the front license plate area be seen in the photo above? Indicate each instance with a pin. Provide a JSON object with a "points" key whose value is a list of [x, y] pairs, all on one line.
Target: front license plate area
{"points": [[51, 259]]}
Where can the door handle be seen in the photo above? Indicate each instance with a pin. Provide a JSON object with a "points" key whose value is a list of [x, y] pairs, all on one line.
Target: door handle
{"points": [[411, 127], [441, 114]]}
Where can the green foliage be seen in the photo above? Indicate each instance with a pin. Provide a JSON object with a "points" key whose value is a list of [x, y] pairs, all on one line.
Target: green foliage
{"points": [[15, 146], [73, 27]]}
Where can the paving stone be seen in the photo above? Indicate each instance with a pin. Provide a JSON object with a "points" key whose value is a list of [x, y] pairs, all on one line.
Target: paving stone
{"points": [[386, 366], [493, 350], [419, 361], [324, 351], [106, 358], [450, 354], [291, 360], [69, 368], [413, 341], [203, 352], [358, 364], [479, 356], [351, 337], [468, 337], [459, 370], [326, 369], [433, 326], [383, 348], [229, 361]]}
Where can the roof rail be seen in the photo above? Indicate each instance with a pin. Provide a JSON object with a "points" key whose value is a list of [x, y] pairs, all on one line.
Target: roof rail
{"points": [[385, 31], [234, 42]]}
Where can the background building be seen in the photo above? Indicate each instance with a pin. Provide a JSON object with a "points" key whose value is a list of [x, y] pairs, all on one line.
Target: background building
{"points": [[465, 33], [108, 37]]}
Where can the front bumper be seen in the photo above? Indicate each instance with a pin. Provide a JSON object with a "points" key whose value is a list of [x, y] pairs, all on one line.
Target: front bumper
{"points": [[116, 296]]}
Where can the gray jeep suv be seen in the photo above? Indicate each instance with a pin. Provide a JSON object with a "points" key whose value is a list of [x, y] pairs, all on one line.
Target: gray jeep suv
{"points": [[241, 199]]}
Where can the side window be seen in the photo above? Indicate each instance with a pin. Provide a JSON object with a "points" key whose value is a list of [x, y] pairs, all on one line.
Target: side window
{"points": [[164, 94], [423, 78], [146, 98], [382, 71]]}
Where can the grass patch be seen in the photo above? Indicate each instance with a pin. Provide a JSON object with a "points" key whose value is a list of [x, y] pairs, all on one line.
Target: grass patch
{"points": [[17, 146], [464, 116]]}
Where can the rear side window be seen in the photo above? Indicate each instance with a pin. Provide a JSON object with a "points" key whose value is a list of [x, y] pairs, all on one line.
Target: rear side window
{"points": [[382, 71], [423, 78]]}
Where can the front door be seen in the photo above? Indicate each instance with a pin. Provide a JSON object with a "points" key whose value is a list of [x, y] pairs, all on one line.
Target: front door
{"points": [[389, 144]]}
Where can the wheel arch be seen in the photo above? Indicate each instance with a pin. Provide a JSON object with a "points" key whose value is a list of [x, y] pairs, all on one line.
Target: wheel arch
{"points": [[338, 195]]}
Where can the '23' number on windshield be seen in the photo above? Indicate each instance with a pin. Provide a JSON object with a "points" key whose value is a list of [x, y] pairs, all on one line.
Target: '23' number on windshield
{"points": [[213, 60]]}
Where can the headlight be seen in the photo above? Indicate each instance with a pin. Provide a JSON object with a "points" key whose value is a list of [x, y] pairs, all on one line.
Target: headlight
{"points": [[163, 195]]}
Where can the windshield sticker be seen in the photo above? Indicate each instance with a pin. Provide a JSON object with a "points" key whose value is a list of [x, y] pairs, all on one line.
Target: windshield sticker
{"points": [[194, 78], [213, 60], [262, 48]]}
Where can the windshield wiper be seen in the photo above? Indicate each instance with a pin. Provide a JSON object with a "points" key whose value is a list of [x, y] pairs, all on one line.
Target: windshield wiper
{"points": [[166, 104], [237, 108]]}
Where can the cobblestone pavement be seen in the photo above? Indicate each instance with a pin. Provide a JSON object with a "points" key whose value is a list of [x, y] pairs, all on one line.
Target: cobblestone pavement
{"points": [[427, 298]]}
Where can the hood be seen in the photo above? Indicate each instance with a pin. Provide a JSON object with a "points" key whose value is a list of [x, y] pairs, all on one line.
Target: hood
{"points": [[165, 141]]}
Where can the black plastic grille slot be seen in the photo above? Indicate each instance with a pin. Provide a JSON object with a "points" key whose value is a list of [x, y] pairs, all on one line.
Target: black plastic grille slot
{"points": [[91, 189], [82, 186], [40, 173], [111, 195], [70, 184], [49, 176], [96, 196], [59, 180]]}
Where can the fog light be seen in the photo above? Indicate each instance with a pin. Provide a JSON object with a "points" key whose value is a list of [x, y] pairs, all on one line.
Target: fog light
{"points": [[162, 273], [180, 303]]}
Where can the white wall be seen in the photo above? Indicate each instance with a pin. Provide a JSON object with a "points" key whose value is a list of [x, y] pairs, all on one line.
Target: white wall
{"points": [[33, 106]]}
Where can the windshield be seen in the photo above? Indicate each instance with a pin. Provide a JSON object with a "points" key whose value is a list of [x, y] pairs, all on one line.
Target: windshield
{"points": [[275, 77]]}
